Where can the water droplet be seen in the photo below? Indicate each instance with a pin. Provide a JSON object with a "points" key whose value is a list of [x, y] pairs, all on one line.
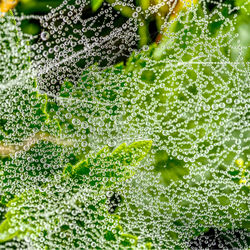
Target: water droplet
{"points": [[45, 35]]}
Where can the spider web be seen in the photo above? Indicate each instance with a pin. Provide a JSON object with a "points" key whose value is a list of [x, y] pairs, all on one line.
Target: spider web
{"points": [[188, 93]]}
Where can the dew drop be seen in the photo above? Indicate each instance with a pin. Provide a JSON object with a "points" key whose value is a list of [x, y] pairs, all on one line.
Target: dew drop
{"points": [[45, 35]]}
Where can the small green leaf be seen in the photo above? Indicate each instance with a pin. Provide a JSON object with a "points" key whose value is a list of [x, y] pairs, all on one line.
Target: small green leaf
{"points": [[119, 149], [96, 4], [138, 150], [109, 165], [132, 154]]}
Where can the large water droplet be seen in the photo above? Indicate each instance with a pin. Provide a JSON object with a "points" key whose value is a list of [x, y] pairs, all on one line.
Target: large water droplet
{"points": [[45, 35]]}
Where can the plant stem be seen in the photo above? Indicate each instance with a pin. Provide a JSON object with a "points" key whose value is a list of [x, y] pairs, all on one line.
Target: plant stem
{"points": [[7, 150], [125, 10], [143, 33], [128, 12]]}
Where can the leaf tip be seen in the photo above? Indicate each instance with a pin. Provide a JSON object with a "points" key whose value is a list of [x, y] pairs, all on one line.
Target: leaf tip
{"points": [[96, 4]]}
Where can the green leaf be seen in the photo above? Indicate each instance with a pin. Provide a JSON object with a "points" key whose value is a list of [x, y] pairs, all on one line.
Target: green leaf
{"points": [[81, 169], [103, 152], [119, 149], [106, 165], [68, 170], [132, 154], [47, 153], [15, 225], [96, 4], [24, 217], [7, 232]]}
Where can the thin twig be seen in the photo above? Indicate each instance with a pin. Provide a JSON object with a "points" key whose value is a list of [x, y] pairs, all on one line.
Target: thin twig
{"points": [[7, 150]]}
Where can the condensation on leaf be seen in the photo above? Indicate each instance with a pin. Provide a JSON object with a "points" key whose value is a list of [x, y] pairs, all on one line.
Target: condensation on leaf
{"points": [[101, 88]]}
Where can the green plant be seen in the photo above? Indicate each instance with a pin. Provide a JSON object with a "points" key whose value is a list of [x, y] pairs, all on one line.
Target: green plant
{"points": [[188, 94], [81, 188], [141, 11]]}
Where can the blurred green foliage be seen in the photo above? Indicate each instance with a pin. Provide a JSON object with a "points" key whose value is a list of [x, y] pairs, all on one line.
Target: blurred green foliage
{"points": [[170, 168]]}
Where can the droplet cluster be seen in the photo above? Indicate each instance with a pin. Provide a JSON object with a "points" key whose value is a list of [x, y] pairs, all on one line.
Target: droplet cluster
{"points": [[86, 83]]}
